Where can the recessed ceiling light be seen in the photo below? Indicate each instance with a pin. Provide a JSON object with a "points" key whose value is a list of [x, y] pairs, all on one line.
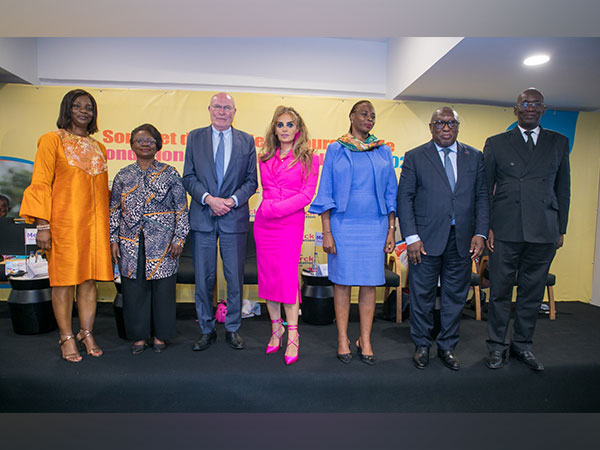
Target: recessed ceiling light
{"points": [[536, 60]]}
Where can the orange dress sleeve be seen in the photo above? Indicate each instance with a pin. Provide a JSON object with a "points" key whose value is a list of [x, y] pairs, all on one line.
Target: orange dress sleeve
{"points": [[37, 197]]}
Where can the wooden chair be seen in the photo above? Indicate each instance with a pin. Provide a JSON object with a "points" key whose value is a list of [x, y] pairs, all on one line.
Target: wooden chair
{"points": [[393, 279], [476, 285], [483, 273]]}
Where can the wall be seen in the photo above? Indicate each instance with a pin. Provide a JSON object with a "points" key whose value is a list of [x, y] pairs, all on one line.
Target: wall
{"points": [[286, 65]]}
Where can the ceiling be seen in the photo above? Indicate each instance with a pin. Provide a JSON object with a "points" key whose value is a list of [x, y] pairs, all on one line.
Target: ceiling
{"points": [[486, 67], [491, 71], [299, 18]]}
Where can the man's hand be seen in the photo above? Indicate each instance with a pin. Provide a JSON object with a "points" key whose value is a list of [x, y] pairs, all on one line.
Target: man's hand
{"points": [[561, 241], [490, 241], [476, 249], [219, 206], [415, 250], [329, 243]]}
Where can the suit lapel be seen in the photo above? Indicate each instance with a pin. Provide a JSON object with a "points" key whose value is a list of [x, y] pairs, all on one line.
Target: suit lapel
{"points": [[235, 145], [432, 154], [519, 146], [207, 148], [462, 159]]}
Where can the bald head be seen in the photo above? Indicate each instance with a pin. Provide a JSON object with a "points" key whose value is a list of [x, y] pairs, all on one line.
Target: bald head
{"points": [[530, 108], [222, 97], [222, 110], [530, 91], [444, 126], [444, 111]]}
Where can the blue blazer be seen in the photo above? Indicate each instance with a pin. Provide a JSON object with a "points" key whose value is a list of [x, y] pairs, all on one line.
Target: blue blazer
{"points": [[200, 177], [336, 179], [425, 199]]}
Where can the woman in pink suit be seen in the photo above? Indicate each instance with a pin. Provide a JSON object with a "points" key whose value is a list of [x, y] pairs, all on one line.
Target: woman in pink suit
{"points": [[289, 172]]}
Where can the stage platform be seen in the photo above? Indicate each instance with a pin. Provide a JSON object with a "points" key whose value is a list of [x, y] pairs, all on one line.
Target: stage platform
{"points": [[33, 377]]}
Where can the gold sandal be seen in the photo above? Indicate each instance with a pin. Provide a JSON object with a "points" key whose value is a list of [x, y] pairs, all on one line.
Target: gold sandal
{"points": [[73, 357], [96, 351]]}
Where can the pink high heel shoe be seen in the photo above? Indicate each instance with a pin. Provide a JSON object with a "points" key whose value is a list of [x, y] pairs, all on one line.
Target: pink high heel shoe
{"points": [[289, 360], [275, 348]]}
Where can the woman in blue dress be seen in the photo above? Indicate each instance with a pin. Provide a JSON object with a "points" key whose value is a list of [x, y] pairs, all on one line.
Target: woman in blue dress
{"points": [[357, 204]]}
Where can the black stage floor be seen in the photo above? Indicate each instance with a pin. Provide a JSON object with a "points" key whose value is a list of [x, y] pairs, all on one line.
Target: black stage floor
{"points": [[33, 378]]}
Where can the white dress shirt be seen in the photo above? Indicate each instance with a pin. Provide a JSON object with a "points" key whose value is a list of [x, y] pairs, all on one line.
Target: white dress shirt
{"points": [[535, 133]]}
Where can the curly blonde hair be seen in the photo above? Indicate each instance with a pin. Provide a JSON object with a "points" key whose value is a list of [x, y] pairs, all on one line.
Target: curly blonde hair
{"points": [[300, 149]]}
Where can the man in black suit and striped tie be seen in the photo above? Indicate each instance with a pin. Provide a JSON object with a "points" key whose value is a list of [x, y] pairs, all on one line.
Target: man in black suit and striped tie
{"points": [[527, 171]]}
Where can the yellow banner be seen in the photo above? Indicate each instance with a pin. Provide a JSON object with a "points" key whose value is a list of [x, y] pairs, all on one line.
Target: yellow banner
{"points": [[27, 112]]}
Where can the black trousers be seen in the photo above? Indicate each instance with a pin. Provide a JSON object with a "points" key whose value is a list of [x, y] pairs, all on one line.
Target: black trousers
{"points": [[528, 264], [149, 306], [454, 273]]}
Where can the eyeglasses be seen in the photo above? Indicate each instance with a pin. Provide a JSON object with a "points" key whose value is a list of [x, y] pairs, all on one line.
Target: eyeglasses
{"points": [[287, 124], [523, 106], [144, 141], [439, 124], [226, 108], [78, 107]]}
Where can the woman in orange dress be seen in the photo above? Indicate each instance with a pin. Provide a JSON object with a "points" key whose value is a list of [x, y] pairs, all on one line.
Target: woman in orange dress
{"points": [[68, 199]]}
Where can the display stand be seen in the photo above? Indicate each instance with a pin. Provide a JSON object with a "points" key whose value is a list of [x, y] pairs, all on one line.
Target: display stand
{"points": [[30, 305], [317, 299]]}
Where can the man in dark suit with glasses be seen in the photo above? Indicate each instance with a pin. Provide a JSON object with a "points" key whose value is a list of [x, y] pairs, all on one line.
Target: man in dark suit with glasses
{"points": [[528, 179], [443, 216], [219, 173]]}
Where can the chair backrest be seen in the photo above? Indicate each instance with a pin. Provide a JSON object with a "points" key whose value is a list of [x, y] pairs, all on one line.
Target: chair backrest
{"points": [[250, 269], [250, 243]]}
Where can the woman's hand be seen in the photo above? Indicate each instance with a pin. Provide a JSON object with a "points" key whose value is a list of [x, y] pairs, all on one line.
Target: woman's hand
{"points": [[328, 243], [175, 250], [115, 253], [389, 241], [44, 239]]}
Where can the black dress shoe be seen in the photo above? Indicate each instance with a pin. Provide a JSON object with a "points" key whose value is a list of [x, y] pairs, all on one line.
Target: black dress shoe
{"points": [[449, 359], [527, 358], [234, 340], [495, 359], [159, 347], [205, 341], [421, 356], [139, 348]]}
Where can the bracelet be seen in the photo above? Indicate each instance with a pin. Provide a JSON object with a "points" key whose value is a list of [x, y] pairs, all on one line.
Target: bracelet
{"points": [[327, 232], [43, 227], [393, 227]]}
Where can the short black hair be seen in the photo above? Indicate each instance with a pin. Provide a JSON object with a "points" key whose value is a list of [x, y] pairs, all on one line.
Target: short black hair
{"points": [[150, 129], [64, 116]]}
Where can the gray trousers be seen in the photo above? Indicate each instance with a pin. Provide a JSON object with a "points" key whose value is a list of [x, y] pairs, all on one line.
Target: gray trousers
{"points": [[233, 253]]}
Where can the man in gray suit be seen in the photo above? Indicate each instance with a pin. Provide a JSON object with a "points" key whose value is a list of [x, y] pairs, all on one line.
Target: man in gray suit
{"points": [[443, 216], [528, 178], [219, 173]]}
